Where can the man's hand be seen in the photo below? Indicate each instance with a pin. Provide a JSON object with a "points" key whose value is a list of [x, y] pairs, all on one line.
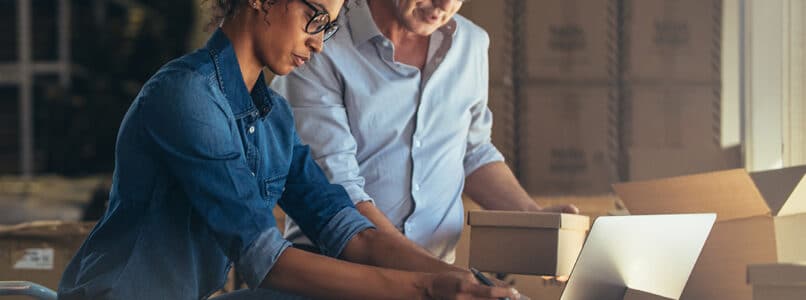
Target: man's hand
{"points": [[462, 285], [562, 208]]}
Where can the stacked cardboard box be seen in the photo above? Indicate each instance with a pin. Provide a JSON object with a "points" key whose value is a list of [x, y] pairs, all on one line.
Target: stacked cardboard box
{"points": [[542, 52], [777, 281], [671, 88], [760, 220], [39, 251]]}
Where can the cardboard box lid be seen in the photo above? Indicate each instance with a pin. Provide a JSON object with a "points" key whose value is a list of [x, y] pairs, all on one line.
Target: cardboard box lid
{"points": [[493, 218], [732, 194], [776, 274], [46, 229]]}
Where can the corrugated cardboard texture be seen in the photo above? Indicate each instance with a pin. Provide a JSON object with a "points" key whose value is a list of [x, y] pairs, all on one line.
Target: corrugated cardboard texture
{"points": [[720, 271], [568, 140], [39, 251], [777, 274], [522, 219], [678, 40], [731, 194], [571, 39]]}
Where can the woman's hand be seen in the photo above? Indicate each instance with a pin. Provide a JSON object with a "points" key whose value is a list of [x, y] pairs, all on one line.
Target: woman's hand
{"points": [[462, 285]]}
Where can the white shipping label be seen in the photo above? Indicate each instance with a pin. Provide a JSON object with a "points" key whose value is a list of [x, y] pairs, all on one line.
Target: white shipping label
{"points": [[35, 259]]}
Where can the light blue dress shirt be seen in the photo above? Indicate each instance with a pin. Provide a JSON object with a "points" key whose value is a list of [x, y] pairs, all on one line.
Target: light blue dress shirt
{"points": [[392, 134]]}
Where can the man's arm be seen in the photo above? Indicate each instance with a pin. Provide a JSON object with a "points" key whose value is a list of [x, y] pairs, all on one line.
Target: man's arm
{"points": [[388, 247], [493, 186]]}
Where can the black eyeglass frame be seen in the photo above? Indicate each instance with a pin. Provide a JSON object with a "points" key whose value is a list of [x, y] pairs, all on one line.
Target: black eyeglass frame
{"points": [[328, 25]]}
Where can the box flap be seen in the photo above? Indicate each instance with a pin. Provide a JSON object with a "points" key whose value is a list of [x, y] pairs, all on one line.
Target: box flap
{"points": [[495, 218], [731, 194], [776, 274], [783, 189]]}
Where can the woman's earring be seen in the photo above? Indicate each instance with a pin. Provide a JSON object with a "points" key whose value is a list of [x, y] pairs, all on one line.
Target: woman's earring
{"points": [[254, 4]]}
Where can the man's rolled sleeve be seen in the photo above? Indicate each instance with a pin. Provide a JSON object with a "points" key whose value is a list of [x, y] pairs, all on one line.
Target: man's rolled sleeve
{"points": [[260, 257], [482, 155], [340, 230]]}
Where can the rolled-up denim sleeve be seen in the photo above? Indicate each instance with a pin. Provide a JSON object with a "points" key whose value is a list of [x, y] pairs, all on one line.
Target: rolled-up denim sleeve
{"points": [[322, 210], [480, 149], [315, 94], [194, 136]]}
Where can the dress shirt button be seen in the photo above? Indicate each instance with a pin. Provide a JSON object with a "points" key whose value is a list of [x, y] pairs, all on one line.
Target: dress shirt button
{"points": [[251, 129], [416, 187], [417, 144]]}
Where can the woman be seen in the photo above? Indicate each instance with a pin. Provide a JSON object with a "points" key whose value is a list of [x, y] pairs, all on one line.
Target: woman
{"points": [[203, 155]]}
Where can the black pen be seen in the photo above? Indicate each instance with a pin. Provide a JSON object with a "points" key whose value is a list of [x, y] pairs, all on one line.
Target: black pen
{"points": [[484, 280]]}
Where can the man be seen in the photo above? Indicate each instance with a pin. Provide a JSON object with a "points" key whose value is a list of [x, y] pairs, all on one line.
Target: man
{"points": [[396, 111]]}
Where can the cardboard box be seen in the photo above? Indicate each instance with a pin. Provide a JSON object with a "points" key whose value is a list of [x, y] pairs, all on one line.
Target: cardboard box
{"points": [[547, 243], [760, 219], [654, 163], [777, 281], [39, 251], [673, 40], [573, 40], [673, 116], [569, 140]]}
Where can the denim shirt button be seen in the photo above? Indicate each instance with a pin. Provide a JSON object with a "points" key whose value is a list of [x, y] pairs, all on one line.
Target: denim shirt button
{"points": [[253, 174], [251, 129]]}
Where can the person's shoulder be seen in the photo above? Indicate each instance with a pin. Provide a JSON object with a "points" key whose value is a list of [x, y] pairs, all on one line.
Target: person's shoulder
{"points": [[468, 28], [193, 72]]}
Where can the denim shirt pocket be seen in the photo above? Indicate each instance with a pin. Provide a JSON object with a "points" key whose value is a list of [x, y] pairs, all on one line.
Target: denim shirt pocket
{"points": [[273, 187]]}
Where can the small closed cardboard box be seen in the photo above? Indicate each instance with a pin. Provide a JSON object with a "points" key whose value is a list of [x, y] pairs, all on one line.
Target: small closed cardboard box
{"points": [[778, 281], [761, 217], [526, 242], [39, 251]]}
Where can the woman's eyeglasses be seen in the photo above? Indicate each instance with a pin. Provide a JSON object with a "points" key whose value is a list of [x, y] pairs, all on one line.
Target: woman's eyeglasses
{"points": [[320, 22]]}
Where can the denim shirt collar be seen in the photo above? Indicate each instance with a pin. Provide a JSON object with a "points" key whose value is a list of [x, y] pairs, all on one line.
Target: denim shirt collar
{"points": [[230, 79]]}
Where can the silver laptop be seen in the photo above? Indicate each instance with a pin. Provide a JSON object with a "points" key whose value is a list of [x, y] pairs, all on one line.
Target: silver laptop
{"points": [[651, 254]]}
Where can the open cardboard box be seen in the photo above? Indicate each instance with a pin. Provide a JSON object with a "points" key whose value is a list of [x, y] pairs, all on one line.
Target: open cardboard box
{"points": [[526, 242], [761, 217], [777, 281]]}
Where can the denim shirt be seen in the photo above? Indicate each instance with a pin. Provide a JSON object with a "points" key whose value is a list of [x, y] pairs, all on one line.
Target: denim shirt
{"points": [[200, 164]]}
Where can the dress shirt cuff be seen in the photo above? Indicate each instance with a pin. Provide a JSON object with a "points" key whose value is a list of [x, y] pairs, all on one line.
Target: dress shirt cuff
{"points": [[357, 193], [261, 256], [481, 155], [341, 229]]}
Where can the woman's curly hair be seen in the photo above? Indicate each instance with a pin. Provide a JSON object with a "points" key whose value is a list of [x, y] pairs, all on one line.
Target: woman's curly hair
{"points": [[224, 9]]}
